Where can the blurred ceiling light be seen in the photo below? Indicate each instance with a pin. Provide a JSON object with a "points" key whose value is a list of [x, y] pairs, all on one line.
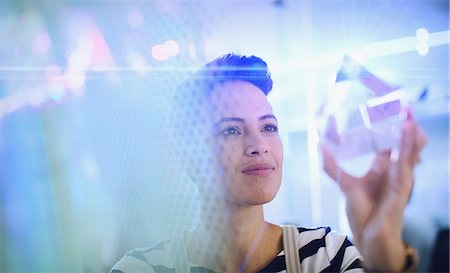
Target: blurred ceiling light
{"points": [[373, 50], [405, 44], [357, 56], [422, 48], [422, 34], [171, 48], [79, 59]]}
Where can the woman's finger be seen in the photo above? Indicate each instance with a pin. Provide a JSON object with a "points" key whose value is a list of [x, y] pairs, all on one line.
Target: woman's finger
{"points": [[421, 141], [412, 141], [330, 166]]}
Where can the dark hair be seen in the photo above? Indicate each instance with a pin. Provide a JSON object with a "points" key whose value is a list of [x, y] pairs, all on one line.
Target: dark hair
{"points": [[231, 67]]}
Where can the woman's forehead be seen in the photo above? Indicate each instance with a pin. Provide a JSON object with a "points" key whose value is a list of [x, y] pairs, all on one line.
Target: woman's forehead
{"points": [[238, 98]]}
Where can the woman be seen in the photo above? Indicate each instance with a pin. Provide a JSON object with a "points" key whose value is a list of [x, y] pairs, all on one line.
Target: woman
{"points": [[243, 170]]}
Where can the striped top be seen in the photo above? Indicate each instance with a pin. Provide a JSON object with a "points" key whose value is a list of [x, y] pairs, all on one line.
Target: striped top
{"points": [[320, 250]]}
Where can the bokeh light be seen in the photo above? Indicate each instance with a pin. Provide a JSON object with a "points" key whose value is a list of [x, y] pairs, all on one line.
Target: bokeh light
{"points": [[422, 48], [159, 52], [171, 48], [422, 34]]}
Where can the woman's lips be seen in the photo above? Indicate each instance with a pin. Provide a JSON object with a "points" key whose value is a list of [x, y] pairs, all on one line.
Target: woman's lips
{"points": [[260, 169]]}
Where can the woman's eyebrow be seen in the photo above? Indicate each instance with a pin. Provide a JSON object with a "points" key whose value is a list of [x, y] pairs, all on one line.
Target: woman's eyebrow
{"points": [[227, 119], [268, 116], [241, 120]]}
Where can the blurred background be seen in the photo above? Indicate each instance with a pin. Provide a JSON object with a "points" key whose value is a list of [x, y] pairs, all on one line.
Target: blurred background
{"points": [[85, 87]]}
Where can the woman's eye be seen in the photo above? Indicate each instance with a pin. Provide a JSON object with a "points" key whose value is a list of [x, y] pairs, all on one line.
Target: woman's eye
{"points": [[271, 128], [230, 131]]}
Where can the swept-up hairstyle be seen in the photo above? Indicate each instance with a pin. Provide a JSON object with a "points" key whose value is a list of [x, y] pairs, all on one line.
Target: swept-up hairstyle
{"points": [[229, 67]]}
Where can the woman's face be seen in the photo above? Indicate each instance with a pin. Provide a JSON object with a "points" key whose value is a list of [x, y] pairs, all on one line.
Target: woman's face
{"points": [[246, 133]]}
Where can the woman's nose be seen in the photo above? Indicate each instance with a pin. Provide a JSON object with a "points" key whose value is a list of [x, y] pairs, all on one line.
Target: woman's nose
{"points": [[255, 146]]}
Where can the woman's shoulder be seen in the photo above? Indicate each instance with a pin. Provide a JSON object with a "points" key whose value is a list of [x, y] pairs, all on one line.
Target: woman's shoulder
{"points": [[308, 234], [148, 259], [328, 248]]}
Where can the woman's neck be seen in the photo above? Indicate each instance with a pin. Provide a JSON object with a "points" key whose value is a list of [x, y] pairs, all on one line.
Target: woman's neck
{"points": [[236, 241]]}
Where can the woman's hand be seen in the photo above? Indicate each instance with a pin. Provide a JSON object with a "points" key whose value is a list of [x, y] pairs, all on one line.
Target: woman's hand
{"points": [[375, 202]]}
